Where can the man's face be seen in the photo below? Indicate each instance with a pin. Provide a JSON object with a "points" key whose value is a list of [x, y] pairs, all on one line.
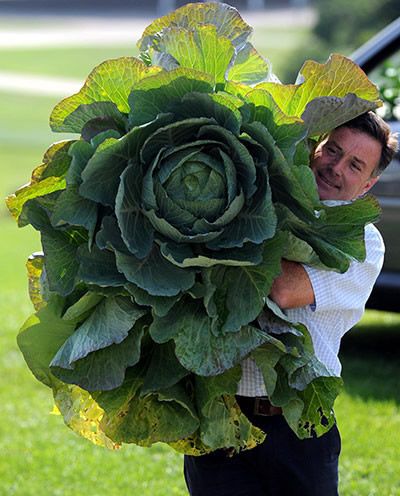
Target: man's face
{"points": [[343, 164]]}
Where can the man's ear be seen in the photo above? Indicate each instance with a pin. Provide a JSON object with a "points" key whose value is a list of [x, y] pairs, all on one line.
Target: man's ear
{"points": [[369, 184]]}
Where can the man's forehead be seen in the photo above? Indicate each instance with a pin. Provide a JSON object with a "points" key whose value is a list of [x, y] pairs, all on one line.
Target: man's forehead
{"points": [[342, 134]]}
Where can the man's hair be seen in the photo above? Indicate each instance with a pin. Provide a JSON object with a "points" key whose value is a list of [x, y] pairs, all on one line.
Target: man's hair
{"points": [[375, 127]]}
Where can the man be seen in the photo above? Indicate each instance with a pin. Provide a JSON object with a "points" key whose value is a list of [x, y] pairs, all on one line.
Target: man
{"points": [[346, 164]]}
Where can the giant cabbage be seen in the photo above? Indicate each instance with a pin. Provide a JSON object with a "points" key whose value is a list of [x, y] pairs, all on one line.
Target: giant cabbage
{"points": [[163, 226]]}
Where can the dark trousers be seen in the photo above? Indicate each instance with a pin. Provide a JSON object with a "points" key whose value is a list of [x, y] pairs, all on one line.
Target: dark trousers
{"points": [[282, 465]]}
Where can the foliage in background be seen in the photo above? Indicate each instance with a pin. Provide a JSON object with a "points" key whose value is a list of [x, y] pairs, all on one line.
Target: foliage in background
{"points": [[342, 27], [387, 78]]}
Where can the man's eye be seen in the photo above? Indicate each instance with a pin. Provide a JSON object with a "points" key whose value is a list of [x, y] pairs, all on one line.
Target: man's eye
{"points": [[331, 151], [355, 166]]}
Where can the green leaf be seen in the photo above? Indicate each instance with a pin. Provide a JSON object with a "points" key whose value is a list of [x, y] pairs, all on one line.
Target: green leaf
{"points": [[238, 154], [299, 250], [82, 115], [183, 256], [116, 401], [222, 424], [249, 67], [291, 185], [164, 370], [302, 376], [136, 230], [98, 267], [286, 130], [209, 388], [202, 49], [318, 398], [109, 236], [81, 152], [241, 290], [86, 303], [256, 221], [56, 161], [61, 271], [199, 346], [151, 96], [323, 96], [47, 178], [72, 209], [105, 368], [200, 351], [161, 305], [226, 18], [101, 176], [171, 137], [154, 273], [42, 335], [165, 416], [218, 106], [268, 321], [266, 357], [339, 237], [323, 115], [109, 323], [110, 81], [283, 395], [163, 60]]}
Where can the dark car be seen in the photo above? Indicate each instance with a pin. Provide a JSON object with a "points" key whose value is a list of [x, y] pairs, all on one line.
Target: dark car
{"points": [[380, 59]]}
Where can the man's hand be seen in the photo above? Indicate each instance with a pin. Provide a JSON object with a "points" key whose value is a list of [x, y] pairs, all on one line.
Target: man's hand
{"points": [[292, 289]]}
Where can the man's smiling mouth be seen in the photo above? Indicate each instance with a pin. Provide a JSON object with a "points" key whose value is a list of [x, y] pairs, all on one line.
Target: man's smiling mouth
{"points": [[326, 181]]}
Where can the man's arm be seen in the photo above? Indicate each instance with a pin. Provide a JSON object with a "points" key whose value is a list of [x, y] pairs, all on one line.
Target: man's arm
{"points": [[293, 288]]}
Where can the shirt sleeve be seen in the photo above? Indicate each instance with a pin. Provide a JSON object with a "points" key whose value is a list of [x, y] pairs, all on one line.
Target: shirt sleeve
{"points": [[350, 290]]}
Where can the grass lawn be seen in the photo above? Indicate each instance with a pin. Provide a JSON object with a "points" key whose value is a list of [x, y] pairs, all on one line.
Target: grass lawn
{"points": [[74, 62], [39, 456], [368, 410]]}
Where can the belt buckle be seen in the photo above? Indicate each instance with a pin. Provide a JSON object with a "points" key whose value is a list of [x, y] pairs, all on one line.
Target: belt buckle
{"points": [[264, 411]]}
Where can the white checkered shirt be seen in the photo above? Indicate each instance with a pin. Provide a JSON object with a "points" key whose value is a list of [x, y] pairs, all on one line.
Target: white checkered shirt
{"points": [[339, 304]]}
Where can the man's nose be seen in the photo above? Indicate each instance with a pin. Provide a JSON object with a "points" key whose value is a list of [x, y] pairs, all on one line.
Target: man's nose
{"points": [[338, 164]]}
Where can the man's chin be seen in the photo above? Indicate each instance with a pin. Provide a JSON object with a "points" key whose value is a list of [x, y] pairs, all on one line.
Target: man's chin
{"points": [[326, 191], [328, 194]]}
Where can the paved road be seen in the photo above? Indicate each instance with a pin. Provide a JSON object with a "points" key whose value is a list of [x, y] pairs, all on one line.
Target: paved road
{"points": [[45, 31]]}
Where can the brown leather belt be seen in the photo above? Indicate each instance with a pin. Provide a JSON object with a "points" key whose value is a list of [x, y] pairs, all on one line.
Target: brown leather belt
{"points": [[259, 405]]}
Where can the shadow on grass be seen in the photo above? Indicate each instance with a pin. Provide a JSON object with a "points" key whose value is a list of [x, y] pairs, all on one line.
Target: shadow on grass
{"points": [[370, 358]]}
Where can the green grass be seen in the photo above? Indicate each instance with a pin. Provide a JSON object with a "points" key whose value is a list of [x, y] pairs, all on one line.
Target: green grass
{"points": [[368, 414], [39, 456], [74, 62], [368, 410]]}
